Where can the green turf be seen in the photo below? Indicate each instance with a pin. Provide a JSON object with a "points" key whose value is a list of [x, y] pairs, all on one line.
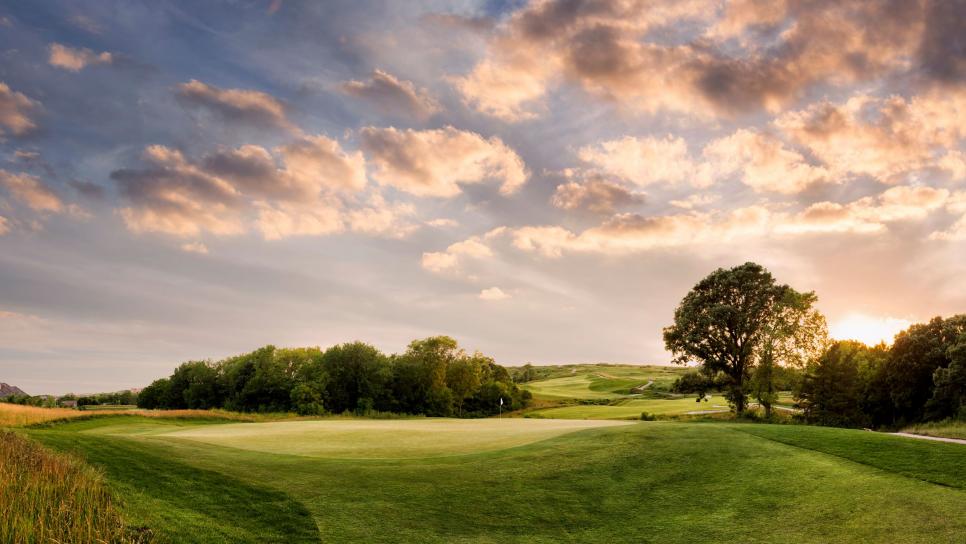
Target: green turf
{"points": [[397, 439], [644, 482], [601, 381]]}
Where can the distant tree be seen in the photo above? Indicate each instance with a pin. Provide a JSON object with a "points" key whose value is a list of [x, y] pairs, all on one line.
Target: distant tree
{"points": [[153, 396], [735, 318]]}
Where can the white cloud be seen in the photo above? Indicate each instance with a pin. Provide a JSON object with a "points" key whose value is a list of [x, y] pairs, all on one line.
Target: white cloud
{"points": [[493, 294]]}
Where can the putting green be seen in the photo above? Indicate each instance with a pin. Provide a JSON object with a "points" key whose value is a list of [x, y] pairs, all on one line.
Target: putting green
{"points": [[383, 439]]}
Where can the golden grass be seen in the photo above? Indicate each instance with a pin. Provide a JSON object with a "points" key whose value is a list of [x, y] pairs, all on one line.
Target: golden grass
{"points": [[46, 497], [15, 415]]}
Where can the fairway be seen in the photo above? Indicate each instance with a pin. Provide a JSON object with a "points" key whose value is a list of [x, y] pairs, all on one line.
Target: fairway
{"points": [[382, 439], [632, 408], [533, 481]]}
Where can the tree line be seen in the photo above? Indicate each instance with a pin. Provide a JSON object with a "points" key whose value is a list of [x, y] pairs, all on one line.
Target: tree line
{"points": [[753, 337], [432, 377]]}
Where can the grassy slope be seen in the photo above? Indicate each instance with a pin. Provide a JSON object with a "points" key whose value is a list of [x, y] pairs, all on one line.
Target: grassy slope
{"points": [[649, 482], [600, 381]]}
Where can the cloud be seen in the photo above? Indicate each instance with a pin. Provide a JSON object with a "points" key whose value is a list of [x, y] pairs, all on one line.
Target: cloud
{"points": [[32, 192], [393, 96], [628, 233], [4, 225], [941, 50], [76, 59], [292, 192], [595, 195], [957, 231], [443, 222], [435, 162], [16, 110], [380, 218], [694, 201], [255, 108], [645, 161], [283, 219], [746, 57], [194, 247], [885, 138], [762, 162], [868, 214], [87, 189], [493, 294], [450, 260], [631, 233]]}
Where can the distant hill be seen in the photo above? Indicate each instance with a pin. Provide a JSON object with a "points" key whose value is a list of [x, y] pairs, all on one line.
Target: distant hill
{"points": [[7, 390]]}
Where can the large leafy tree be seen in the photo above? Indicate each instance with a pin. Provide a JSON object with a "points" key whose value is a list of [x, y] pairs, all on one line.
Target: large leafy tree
{"points": [[737, 319]]}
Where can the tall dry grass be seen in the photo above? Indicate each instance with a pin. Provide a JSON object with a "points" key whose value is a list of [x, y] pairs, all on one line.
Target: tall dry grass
{"points": [[46, 497], [15, 415]]}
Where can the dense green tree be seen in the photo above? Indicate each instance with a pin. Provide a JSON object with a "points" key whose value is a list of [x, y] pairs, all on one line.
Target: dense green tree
{"points": [[733, 319], [464, 376], [196, 385], [949, 396], [434, 377], [155, 395], [916, 355], [310, 378], [357, 377], [831, 393]]}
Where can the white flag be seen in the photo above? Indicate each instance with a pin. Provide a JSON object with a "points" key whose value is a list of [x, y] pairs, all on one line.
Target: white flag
{"points": [[501, 401]]}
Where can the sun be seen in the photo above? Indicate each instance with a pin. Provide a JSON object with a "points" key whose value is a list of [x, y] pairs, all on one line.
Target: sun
{"points": [[869, 330]]}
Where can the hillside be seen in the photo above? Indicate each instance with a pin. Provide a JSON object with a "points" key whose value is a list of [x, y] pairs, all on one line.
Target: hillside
{"points": [[7, 390]]}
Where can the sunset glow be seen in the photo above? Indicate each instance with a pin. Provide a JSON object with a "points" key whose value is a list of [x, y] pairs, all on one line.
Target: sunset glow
{"points": [[541, 180], [867, 329]]}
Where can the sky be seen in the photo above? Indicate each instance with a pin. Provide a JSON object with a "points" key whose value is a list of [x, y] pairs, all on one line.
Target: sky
{"points": [[543, 181]]}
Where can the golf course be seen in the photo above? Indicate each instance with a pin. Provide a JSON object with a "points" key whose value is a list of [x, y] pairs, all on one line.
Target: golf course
{"points": [[518, 480]]}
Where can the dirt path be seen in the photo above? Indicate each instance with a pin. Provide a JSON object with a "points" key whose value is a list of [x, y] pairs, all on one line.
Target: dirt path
{"points": [[936, 438], [641, 388]]}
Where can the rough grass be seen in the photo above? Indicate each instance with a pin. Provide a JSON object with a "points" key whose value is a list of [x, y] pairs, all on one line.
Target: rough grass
{"points": [[644, 482], [48, 497], [950, 428]]}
